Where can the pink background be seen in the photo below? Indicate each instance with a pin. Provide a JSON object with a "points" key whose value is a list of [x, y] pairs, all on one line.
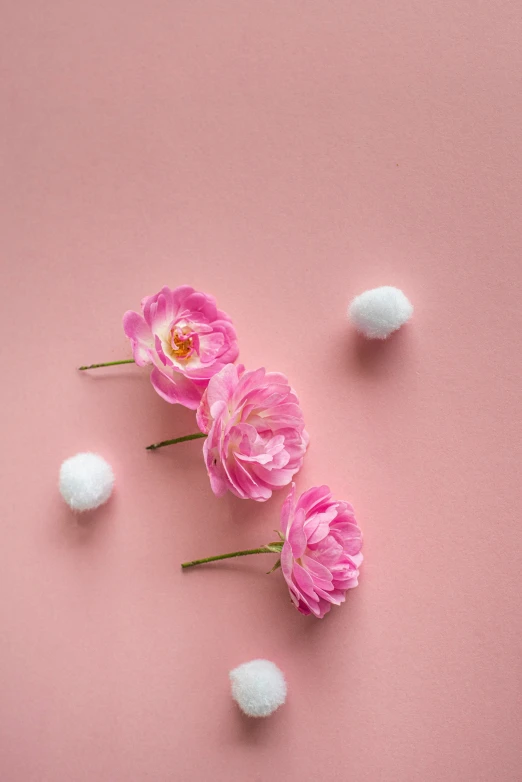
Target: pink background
{"points": [[283, 155]]}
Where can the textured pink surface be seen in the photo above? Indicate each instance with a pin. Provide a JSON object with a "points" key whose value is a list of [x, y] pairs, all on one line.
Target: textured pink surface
{"points": [[283, 155]]}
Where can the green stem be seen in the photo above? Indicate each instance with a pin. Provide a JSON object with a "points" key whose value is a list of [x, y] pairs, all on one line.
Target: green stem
{"points": [[184, 439], [270, 549], [108, 364]]}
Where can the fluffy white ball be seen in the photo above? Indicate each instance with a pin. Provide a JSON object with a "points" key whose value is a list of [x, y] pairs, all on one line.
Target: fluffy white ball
{"points": [[379, 312], [258, 687], [86, 481]]}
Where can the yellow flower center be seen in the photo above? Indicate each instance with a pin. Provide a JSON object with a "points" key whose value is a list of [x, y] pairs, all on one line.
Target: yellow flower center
{"points": [[181, 344]]}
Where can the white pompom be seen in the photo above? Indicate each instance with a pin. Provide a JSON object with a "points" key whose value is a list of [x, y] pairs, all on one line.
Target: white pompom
{"points": [[258, 687], [86, 481], [379, 312]]}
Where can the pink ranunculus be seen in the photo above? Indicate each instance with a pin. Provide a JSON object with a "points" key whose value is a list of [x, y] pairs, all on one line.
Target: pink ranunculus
{"points": [[321, 554], [186, 338], [256, 436]]}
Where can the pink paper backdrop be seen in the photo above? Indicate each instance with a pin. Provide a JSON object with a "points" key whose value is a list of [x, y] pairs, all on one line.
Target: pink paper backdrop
{"points": [[283, 155]]}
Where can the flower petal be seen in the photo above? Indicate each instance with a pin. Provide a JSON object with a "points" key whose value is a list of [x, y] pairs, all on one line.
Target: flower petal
{"points": [[221, 386], [296, 535], [179, 390], [259, 437], [210, 346], [287, 510], [314, 498], [140, 335], [317, 526], [206, 332]]}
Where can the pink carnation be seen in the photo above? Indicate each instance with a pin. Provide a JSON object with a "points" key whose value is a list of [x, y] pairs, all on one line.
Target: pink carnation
{"points": [[187, 339], [256, 436], [321, 555]]}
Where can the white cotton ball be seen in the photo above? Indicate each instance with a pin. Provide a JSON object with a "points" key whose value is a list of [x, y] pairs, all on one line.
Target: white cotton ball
{"points": [[258, 687], [86, 481], [379, 312]]}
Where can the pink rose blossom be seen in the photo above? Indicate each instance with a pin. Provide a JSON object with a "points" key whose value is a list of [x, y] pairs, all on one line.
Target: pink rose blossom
{"points": [[186, 338], [256, 436], [321, 555]]}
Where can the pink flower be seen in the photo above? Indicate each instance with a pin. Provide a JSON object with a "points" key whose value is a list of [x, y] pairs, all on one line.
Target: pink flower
{"points": [[321, 555], [256, 436], [185, 337]]}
